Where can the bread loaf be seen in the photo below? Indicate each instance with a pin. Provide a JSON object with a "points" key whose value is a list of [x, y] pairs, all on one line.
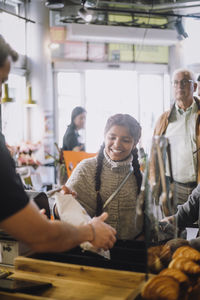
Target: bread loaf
{"points": [[161, 287]]}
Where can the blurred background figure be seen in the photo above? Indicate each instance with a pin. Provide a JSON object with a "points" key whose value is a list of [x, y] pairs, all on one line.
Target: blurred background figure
{"points": [[72, 138]]}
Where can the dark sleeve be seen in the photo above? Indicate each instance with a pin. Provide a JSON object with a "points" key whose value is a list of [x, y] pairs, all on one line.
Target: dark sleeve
{"points": [[13, 197], [70, 140], [195, 243], [188, 213]]}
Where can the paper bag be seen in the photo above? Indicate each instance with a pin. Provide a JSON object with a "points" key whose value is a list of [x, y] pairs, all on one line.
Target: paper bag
{"points": [[71, 211]]}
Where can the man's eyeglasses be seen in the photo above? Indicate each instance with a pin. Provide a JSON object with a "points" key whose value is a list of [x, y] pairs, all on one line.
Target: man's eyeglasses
{"points": [[183, 82]]}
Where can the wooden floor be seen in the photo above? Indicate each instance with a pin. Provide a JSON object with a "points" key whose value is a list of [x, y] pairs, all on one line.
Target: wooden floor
{"points": [[75, 282]]}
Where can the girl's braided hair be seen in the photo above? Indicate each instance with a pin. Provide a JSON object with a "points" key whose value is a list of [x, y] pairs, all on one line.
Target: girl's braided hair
{"points": [[135, 131]]}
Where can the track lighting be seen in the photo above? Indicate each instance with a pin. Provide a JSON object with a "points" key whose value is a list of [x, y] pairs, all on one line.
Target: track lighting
{"points": [[85, 14], [90, 3], [180, 29]]}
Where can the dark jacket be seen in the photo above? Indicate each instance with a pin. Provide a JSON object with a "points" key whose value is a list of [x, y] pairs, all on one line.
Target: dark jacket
{"points": [[189, 212], [70, 139]]}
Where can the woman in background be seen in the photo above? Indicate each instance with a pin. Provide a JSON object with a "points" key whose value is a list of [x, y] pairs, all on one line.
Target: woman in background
{"points": [[95, 179], [71, 139]]}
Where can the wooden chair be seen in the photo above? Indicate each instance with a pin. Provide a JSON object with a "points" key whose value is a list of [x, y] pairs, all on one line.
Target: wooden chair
{"points": [[72, 158]]}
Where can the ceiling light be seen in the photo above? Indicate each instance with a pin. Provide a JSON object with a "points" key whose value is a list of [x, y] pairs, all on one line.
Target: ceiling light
{"points": [[30, 101], [180, 29], [85, 15], [90, 3], [54, 4], [6, 97], [54, 46]]}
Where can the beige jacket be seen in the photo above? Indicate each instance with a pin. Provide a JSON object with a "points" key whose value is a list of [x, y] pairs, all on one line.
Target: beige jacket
{"points": [[160, 129]]}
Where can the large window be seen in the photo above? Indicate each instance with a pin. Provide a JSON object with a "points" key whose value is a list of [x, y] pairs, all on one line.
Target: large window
{"points": [[69, 96], [151, 103], [106, 92]]}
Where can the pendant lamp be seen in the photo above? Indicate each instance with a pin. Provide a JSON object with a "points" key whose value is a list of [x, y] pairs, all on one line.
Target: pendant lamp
{"points": [[6, 96], [30, 101]]}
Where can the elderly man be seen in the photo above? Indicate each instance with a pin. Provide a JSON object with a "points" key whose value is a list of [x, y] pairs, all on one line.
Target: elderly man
{"points": [[181, 125], [21, 218]]}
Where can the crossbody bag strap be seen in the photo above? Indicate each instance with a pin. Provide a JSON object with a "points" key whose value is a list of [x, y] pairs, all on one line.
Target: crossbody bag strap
{"points": [[118, 188]]}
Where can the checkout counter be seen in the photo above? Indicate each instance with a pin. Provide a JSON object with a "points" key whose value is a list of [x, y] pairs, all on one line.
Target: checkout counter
{"points": [[79, 275], [74, 281], [75, 274]]}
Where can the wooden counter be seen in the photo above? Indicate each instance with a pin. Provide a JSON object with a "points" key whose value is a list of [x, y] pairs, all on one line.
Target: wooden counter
{"points": [[75, 281]]}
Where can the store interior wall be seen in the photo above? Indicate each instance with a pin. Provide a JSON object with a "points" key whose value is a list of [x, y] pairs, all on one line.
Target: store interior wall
{"points": [[40, 72]]}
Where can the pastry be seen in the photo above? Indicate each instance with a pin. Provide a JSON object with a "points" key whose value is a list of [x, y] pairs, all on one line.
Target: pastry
{"points": [[156, 250], [195, 291], [182, 279], [176, 243], [154, 263], [187, 252], [161, 287], [185, 265], [177, 274], [165, 255]]}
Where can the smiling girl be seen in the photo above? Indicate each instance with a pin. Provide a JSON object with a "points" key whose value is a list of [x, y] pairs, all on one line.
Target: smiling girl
{"points": [[95, 179]]}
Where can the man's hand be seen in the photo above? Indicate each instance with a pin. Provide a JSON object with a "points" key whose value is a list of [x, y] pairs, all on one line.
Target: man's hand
{"points": [[170, 220], [104, 234], [43, 213]]}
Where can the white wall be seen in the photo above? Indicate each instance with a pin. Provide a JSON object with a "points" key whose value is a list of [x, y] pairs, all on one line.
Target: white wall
{"points": [[186, 53], [39, 68]]}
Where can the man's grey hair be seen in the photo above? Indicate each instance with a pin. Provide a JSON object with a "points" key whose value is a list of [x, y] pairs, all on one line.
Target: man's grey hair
{"points": [[187, 72]]}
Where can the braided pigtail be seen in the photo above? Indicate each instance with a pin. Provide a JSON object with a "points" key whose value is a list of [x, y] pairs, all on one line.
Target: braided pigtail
{"points": [[100, 158], [136, 167]]}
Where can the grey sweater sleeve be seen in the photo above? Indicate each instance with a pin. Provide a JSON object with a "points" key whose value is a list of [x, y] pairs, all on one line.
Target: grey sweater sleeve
{"points": [[188, 213], [82, 182]]}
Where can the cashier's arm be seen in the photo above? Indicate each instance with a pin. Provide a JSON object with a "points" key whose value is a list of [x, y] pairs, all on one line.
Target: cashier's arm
{"points": [[41, 234]]}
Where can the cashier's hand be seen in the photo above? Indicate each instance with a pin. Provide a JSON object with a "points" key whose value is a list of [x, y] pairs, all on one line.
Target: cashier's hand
{"points": [[104, 234]]}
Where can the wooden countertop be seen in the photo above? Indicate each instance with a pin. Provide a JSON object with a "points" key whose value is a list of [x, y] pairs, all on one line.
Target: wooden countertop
{"points": [[75, 282]]}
